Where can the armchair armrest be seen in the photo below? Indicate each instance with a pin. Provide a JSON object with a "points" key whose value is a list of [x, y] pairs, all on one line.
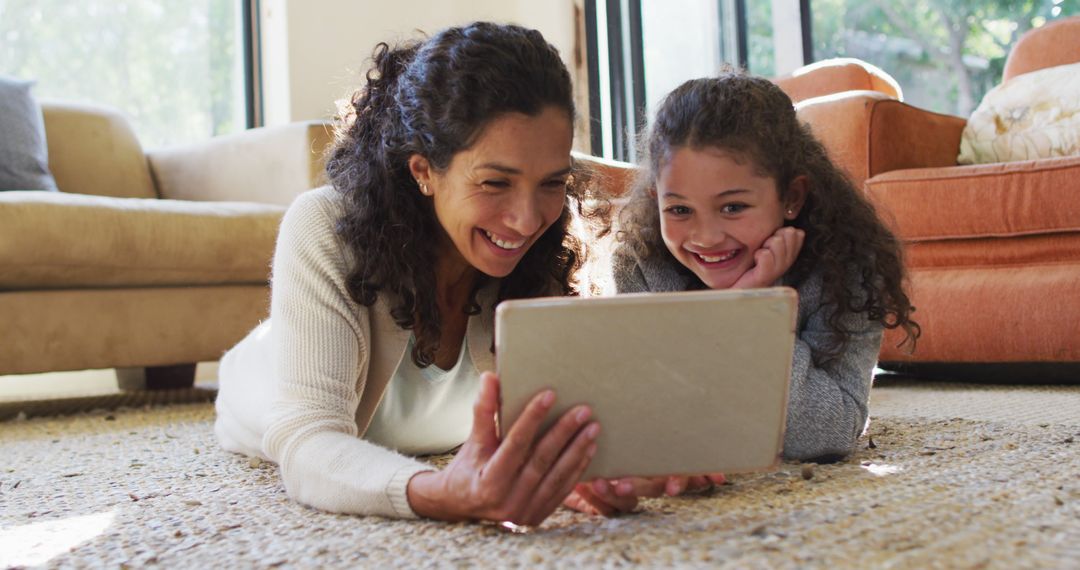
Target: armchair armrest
{"points": [[613, 177], [867, 133], [836, 76], [270, 165]]}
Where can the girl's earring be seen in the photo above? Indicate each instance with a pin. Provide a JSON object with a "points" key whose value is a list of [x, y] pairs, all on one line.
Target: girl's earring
{"points": [[423, 189]]}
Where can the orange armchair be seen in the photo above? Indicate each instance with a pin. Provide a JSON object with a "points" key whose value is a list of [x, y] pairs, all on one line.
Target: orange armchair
{"points": [[837, 75], [993, 249]]}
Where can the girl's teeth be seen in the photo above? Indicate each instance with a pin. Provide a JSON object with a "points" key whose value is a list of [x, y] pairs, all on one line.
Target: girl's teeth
{"points": [[503, 244], [710, 259]]}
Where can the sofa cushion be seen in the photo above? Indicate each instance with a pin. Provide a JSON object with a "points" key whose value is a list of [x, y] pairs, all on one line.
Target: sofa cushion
{"points": [[59, 240], [1008, 199], [1015, 251], [24, 155], [49, 330], [93, 150], [992, 314], [1034, 115]]}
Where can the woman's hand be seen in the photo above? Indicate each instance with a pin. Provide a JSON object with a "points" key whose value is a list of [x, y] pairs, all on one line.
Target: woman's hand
{"points": [[773, 259], [610, 498], [521, 479]]}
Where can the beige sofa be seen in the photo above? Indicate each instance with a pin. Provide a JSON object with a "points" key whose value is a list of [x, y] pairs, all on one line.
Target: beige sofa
{"points": [[144, 261]]}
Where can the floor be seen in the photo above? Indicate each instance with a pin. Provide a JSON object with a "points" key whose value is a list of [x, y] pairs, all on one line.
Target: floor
{"points": [[50, 385], [929, 486]]}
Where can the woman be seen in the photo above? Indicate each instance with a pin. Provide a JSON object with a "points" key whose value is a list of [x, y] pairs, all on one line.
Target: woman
{"points": [[450, 191]]}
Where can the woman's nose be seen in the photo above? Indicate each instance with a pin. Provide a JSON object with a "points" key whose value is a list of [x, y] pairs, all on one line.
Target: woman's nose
{"points": [[525, 216]]}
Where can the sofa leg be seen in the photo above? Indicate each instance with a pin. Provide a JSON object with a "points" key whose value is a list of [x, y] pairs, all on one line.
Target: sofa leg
{"points": [[170, 377]]}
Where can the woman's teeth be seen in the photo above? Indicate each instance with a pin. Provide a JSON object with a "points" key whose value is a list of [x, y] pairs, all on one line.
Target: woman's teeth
{"points": [[503, 244], [718, 258]]}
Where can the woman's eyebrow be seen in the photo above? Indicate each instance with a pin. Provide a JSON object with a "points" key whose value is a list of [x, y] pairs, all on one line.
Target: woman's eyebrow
{"points": [[511, 170], [499, 167]]}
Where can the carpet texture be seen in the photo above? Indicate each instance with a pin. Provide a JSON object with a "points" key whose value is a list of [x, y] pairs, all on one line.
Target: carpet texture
{"points": [[150, 487], [1032, 405]]}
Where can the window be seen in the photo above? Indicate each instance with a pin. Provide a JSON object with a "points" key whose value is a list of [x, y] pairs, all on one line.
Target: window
{"points": [[675, 40], [675, 51], [945, 54], [175, 68], [639, 50], [761, 56]]}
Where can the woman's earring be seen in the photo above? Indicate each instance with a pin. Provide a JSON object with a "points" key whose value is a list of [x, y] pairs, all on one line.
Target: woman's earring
{"points": [[423, 188]]}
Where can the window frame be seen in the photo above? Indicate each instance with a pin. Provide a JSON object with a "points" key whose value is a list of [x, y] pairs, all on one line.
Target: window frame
{"points": [[251, 37], [625, 42]]}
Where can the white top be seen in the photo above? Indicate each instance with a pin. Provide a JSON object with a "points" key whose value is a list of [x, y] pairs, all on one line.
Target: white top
{"points": [[426, 410], [301, 389]]}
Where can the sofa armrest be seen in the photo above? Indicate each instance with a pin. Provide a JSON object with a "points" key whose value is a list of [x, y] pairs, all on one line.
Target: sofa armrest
{"points": [[611, 177], [867, 133], [836, 76], [270, 165], [93, 150]]}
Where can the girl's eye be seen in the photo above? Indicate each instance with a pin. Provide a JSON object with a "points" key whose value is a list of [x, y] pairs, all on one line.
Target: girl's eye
{"points": [[733, 208], [556, 184], [678, 210], [496, 183]]}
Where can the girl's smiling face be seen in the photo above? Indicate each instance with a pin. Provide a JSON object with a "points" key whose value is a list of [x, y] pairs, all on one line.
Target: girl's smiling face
{"points": [[716, 210]]}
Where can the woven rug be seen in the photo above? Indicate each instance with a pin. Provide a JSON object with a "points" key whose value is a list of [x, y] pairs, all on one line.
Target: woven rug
{"points": [[133, 488]]}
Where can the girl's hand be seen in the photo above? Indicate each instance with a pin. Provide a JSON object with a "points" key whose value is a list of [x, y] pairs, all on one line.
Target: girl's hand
{"points": [[600, 497], [772, 261], [521, 479], [677, 484], [671, 486], [609, 498]]}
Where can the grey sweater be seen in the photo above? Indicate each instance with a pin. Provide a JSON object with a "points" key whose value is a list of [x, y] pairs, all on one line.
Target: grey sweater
{"points": [[827, 407]]}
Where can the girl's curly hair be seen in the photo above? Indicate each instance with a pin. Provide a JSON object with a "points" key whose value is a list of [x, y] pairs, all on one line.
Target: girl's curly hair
{"points": [[752, 118], [434, 98]]}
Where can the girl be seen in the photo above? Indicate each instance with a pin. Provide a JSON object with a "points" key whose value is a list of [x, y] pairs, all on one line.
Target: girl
{"points": [[736, 193], [450, 191]]}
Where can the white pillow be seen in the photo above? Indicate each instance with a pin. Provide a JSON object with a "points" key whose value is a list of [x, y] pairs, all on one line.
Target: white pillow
{"points": [[1033, 115]]}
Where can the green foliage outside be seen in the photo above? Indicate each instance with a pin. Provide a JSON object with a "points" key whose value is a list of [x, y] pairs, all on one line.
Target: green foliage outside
{"points": [[171, 66], [946, 54]]}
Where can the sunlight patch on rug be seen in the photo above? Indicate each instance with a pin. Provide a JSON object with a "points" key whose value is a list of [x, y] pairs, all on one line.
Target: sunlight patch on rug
{"points": [[881, 469], [37, 543]]}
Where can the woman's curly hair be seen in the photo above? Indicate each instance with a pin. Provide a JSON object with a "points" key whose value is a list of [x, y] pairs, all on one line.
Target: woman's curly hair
{"points": [[752, 118], [433, 98]]}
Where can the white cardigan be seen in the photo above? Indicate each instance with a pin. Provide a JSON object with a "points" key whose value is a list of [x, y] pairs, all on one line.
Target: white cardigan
{"points": [[303, 386]]}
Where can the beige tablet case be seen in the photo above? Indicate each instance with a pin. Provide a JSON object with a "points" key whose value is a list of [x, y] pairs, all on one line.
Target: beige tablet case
{"points": [[681, 383]]}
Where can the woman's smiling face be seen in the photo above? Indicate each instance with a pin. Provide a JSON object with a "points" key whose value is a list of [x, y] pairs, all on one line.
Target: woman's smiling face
{"points": [[497, 197], [716, 210]]}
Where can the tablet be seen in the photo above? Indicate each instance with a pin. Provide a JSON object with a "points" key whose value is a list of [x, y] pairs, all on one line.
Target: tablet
{"points": [[682, 383]]}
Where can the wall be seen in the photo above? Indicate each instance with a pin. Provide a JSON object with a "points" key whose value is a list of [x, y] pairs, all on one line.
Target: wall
{"points": [[316, 51]]}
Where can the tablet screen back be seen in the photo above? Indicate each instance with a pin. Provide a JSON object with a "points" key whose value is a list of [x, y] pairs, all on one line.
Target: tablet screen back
{"points": [[681, 383]]}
